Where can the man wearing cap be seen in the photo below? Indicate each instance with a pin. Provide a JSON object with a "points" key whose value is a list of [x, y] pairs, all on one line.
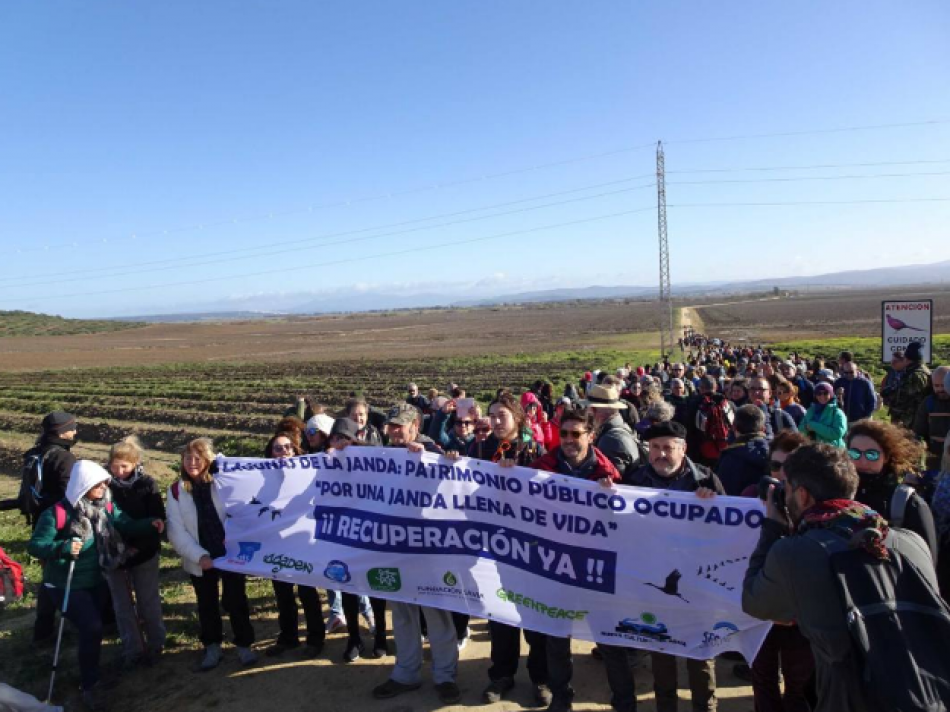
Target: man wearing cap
{"points": [[577, 456], [855, 390], [932, 422], [670, 469], [53, 445], [614, 437], [402, 429], [913, 387]]}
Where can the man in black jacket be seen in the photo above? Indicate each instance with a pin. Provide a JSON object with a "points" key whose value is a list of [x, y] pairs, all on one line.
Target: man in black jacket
{"points": [[670, 469], [54, 443]]}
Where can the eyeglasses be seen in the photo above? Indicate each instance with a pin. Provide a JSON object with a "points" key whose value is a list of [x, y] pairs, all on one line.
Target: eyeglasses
{"points": [[276, 447], [869, 455], [775, 465], [576, 434], [465, 423], [758, 389], [312, 431]]}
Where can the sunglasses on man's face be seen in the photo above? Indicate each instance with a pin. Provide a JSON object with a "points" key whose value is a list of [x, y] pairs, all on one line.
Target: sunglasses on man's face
{"points": [[869, 455], [575, 434]]}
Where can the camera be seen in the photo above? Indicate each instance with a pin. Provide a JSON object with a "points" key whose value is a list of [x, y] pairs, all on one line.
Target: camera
{"points": [[779, 493]]}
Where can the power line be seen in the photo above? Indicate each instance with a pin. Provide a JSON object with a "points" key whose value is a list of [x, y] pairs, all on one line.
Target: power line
{"points": [[793, 179], [269, 215], [295, 245], [809, 202], [813, 167], [360, 258]]}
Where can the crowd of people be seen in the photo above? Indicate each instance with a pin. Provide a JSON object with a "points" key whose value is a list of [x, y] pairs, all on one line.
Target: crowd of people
{"points": [[806, 435]]}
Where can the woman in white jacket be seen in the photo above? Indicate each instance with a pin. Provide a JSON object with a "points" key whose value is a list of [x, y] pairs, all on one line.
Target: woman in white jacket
{"points": [[196, 530]]}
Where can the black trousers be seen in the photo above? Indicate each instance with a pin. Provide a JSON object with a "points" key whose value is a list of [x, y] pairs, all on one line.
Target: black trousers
{"points": [[287, 617], [623, 691], [232, 597], [351, 611], [506, 652]]}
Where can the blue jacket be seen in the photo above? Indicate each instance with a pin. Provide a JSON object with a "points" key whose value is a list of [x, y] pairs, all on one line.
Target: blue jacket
{"points": [[743, 463], [859, 398], [806, 390]]}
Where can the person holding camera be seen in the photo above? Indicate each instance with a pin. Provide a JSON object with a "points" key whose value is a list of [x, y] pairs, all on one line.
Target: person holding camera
{"points": [[790, 579]]}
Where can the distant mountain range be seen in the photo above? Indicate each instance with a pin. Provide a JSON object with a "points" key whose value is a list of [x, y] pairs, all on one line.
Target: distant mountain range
{"points": [[265, 306]]}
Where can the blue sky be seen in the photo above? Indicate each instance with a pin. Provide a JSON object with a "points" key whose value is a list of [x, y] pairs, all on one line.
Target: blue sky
{"points": [[164, 156]]}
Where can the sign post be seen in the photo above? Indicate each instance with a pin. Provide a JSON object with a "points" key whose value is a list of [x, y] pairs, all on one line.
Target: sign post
{"points": [[903, 322]]}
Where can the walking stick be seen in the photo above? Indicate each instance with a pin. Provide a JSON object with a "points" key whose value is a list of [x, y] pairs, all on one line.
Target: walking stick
{"points": [[62, 622]]}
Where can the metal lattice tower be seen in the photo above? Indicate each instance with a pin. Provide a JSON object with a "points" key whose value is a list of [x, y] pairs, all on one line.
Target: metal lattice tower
{"points": [[666, 295]]}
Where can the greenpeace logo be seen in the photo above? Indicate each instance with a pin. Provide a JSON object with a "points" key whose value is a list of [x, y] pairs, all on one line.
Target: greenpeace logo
{"points": [[544, 609]]}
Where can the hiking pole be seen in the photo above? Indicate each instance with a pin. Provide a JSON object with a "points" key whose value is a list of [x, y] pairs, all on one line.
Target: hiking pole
{"points": [[62, 622]]}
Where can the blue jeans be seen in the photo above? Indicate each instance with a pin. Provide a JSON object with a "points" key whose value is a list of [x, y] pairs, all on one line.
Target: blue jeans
{"points": [[83, 611]]}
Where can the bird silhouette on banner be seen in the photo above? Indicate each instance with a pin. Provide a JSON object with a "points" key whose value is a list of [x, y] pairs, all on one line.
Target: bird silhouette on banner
{"points": [[672, 585], [898, 325]]}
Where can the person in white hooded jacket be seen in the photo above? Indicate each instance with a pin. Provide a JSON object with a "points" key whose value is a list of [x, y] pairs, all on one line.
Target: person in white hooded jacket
{"points": [[196, 530], [84, 528]]}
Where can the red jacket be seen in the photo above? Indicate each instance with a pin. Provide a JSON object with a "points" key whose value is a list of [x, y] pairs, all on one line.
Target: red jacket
{"points": [[604, 467]]}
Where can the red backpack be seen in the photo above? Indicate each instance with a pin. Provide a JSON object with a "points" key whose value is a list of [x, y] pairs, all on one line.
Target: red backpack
{"points": [[714, 421], [11, 579]]}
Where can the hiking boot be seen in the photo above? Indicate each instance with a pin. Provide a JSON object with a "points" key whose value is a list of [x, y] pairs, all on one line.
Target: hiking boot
{"points": [[449, 693], [93, 699], [246, 656], [496, 690], [212, 658], [543, 695], [354, 649], [391, 688], [313, 650], [278, 649], [380, 648], [560, 704]]}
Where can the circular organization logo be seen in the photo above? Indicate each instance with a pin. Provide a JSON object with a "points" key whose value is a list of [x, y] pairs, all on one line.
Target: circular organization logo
{"points": [[450, 579], [648, 618]]}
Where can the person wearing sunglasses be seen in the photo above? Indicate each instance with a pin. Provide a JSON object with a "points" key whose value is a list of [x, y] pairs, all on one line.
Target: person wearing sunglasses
{"points": [[884, 456], [482, 429], [510, 443], [317, 432], [284, 445], [786, 393], [576, 456], [824, 421], [857, 392]]}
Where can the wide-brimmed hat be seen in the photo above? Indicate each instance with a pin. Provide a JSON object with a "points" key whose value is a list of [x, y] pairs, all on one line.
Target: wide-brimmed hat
{"points": [[604, 397]]}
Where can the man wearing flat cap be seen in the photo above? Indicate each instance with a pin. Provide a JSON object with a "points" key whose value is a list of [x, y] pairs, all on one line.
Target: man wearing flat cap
{"points": [[670, 469]]}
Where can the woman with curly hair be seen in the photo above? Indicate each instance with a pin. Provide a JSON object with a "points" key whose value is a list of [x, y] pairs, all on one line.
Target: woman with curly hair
{"points": [[884, 454]]}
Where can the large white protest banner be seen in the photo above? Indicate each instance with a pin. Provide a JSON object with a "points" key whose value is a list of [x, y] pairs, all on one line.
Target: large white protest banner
{"points": [[628, 566]]}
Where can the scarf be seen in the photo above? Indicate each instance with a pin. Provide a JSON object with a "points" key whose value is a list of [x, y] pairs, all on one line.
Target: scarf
{"points": [[136, 475], [859, 524], [210, 528], [92, 521]]}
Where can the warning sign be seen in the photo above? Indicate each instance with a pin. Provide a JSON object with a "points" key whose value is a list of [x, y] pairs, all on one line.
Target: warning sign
{"points": [[904, 322]]}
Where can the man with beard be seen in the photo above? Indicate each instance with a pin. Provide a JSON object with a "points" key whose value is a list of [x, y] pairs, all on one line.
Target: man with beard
{"points": [[670, 469], [577, 457], [790, 579]]}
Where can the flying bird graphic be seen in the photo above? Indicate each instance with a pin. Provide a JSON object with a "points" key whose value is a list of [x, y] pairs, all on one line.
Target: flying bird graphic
{"points": [[898, 325], [262, 510], [274, 513], [671, 586]]}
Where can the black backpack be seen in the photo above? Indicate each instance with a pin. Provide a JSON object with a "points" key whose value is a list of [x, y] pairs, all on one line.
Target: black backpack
{"points": [[30, 498], [899, 626]]}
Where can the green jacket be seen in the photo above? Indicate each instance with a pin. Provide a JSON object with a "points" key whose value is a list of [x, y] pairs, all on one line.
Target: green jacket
{"points": [[914, 387], [52, 546], [829, 427]]}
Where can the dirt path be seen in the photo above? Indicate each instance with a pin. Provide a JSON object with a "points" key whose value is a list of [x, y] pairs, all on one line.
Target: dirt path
{"points": [[293, 683]]}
